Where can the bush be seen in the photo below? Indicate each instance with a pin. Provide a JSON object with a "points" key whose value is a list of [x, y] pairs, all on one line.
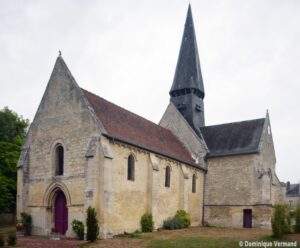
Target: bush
{"points": [[280, 221], [288, 224], [172, 224], [2, 243], [297, 219], [12, 239], [92, 225], [27, 223], [78, 228], [184, 217], [181, 220], [147, 223]]}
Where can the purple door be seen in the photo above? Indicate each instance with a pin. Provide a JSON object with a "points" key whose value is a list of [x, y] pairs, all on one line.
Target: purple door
{"points": [[247, 218], [60, 213]]}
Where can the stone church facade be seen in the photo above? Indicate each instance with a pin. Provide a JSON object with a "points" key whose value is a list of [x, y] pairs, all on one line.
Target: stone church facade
{"points": [[82, 150]]}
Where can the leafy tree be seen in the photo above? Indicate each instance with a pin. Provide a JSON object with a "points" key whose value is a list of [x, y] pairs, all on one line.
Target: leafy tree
{"points": [[12, 134]]}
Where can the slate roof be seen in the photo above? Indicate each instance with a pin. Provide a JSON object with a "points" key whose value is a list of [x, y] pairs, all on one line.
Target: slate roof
{"points": [[294, 190], [128, 127], [233, 138], [188, 72]]}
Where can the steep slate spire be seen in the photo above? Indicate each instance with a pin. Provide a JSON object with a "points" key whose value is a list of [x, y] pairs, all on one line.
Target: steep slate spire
{"points": [[188, 72], [187, 91]]}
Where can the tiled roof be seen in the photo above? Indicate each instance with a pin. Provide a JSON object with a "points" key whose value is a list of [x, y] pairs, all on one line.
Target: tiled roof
{"points": [[233, 138], [128, 127]]}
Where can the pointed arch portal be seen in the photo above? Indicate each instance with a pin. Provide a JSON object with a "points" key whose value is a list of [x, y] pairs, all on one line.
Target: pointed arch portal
{"points": [[60, 211], [56, 200]]}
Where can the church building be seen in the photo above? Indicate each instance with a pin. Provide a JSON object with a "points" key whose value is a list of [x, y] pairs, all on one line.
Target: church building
{"points": [[82, 150]]}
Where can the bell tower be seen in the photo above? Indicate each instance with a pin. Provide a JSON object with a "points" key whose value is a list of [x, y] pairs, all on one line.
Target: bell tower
{"points": [[187, 92]]}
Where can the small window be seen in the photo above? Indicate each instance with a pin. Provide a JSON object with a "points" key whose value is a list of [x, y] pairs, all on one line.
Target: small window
{"points": [[194, 184], [59, 160], [167, 177], [130, 168]]}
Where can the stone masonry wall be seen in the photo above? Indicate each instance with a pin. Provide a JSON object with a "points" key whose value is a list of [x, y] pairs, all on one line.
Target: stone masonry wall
{"points": [[64, 118], [129, 200]]}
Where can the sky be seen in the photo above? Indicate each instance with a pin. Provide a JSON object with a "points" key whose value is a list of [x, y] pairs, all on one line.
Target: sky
{"points": [[126, 52]]}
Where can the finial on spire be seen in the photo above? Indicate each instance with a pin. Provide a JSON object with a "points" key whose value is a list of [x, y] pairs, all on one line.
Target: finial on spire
{"points": [[59, 53]]}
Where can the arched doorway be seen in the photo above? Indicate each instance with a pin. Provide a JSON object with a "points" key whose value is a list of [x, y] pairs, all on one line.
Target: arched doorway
{"points": [[60, 213]]}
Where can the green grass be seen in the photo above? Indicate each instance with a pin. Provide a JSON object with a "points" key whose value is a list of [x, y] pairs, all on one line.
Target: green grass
{"points": [[194, 242], [199, 242]]}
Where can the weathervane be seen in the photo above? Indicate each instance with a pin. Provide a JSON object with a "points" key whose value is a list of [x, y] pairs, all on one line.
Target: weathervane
{"points": [[59, 52]]}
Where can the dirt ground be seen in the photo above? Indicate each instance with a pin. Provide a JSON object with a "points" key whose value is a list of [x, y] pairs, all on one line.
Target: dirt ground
{"points": [[144, 239]]}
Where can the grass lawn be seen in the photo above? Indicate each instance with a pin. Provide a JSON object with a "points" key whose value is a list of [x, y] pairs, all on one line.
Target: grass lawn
{"points": [[194, 242], [196, 237]]}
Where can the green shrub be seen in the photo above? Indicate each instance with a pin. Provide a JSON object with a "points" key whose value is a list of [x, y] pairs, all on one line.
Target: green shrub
{"points": [[297, 219], [280, 221], [147, 223], [173, 223], [78, 228], [184, 217], [2, 243], [288, 224], [181, 220], [27, 223], [92, 225], [12, 239]]}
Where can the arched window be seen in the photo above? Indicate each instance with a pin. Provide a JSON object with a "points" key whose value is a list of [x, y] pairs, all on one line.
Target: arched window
{"points": [[167, 177], [59, 160], [194, 183], [130, 167]]}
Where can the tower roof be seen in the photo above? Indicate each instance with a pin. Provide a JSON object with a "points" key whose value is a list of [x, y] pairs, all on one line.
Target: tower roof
{"points": [[188, 72]]}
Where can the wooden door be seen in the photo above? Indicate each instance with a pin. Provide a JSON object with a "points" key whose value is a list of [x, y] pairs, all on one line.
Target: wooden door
{"points": [[247, 218], [61, 213]]}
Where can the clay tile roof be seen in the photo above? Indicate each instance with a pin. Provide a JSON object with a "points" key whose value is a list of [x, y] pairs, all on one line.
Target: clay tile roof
{"points": [[233, 138], [128, 127]]}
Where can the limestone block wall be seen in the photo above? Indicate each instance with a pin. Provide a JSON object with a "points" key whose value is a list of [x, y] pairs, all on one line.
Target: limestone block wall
{"points": [[229, 180], [62, 117], [268, 187], [129, 200], [174, 121], [232, 184], [232, 216]]}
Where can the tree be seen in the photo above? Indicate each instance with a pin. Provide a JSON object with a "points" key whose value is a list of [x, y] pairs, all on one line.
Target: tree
{"points": [[12, 134]]}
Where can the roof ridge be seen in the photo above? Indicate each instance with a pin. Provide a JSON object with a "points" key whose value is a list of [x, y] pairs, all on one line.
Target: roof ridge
{"points": [[235, 122]]}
